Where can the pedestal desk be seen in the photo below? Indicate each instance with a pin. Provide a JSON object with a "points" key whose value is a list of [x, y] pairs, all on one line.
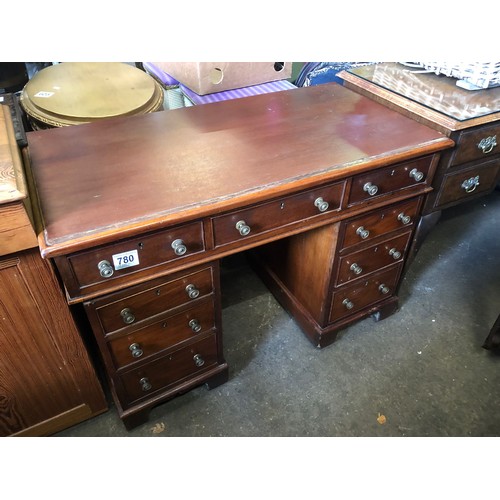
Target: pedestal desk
{"points": [[471, 118], [321, 185]]}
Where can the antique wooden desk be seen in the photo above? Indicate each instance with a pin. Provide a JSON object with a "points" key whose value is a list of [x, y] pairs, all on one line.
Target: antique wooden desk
{"points": [[325, 185], [471, 118]]}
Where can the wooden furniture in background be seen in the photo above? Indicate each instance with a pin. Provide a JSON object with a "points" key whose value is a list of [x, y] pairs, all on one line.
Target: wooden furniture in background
{"points": [[139, 210], [47, 382]]}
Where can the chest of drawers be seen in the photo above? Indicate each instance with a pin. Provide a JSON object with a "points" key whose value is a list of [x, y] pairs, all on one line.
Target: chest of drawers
{"points": [[310, 177]]}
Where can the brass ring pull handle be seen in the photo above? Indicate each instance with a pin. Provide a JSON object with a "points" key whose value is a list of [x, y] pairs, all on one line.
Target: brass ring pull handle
{"points": [[405, 219], [127, 316], [416, 174], [145, 384], [198, 360], [487, 144], [243, 228], [384, 289], [135, 350], [105, 269], [179, 247], [192, 292], [348, 304], [356, 269], [370, 188], [362, 232], [471, 184], [395, 254], [195, 325], [321, 204]]}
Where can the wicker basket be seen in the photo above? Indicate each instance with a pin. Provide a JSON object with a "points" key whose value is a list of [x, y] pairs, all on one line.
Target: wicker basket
{"points": [[469, 75]]}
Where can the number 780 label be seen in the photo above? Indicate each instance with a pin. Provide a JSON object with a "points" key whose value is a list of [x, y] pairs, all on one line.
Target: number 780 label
{"points": [[125, 259]]}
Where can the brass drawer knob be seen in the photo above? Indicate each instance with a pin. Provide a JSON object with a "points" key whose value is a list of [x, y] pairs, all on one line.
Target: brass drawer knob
{"points": [[487, 144], [348, 304], [394, 253], [356, 269], [179, 247], [416, 174], [321, 204], [127, 316], [135, 350], [384, 289], [192, 292], [405, 219], [145, 384], [471, 184], [195, 325], [242, 228], [198, 360], [105, 269], [362, 232], [370, 188]]}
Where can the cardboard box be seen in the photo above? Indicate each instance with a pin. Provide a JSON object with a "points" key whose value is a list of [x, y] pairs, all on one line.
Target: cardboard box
{"points": [[208, 77]]}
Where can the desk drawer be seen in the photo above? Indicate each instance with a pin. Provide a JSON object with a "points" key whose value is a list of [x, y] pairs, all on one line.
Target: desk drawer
{"points": [[380, 222], [139, 303], [383, 181], [351, 299], [170, 369], [358, 265], [477, 144], [273, 215], [468, 183], [142, 343], [103, 263]]}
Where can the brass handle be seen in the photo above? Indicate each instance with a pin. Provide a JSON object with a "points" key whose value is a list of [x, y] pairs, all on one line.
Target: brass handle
{"points": [[198, 360], [471, 184], [195, 325], [242, 228], [348, 304], [179, 247], [105, 269], [416, 174], [127, 316], [321, 204], [487, 144], [405, 219], [135, 350], [145, 384], [384, 289], [192, 292], [356, 269], [370, 188], [394, 253], [362, 232]]}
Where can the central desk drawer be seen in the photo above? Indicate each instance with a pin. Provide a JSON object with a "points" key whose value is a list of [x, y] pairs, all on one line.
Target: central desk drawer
{"points": [[136, 304], [276, 214], [477, 144], [151, 339], [384, 181], [136, 254]]}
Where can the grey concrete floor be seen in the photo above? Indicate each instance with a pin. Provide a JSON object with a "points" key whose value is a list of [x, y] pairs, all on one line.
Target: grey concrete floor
{"points": [[420, 372]]}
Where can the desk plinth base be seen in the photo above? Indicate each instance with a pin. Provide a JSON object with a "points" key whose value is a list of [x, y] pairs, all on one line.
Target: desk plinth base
{"points": [[139, 414]]}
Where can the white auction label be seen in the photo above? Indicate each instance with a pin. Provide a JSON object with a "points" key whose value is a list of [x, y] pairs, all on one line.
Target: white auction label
{"points": [[42, 93], [125, 259]]}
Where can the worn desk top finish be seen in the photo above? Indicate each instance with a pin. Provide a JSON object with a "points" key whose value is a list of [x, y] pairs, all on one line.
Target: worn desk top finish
{"points": [[126, 175]]}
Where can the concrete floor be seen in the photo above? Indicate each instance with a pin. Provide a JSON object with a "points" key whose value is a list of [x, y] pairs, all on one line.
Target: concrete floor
{"points": [[420, 372]]}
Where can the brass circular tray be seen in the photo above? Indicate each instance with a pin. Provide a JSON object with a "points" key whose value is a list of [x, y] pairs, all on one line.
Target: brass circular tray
{"points": [[74, 93]]}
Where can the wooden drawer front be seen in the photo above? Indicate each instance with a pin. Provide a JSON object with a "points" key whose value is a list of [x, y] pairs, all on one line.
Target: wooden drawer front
{"points": [[477, 144], [468, 183], [142, 303], [139, 344], [351, 299], [380, 222], [276, 214], [384, 181], [358, 265], [170, 369], [152, 250]]}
